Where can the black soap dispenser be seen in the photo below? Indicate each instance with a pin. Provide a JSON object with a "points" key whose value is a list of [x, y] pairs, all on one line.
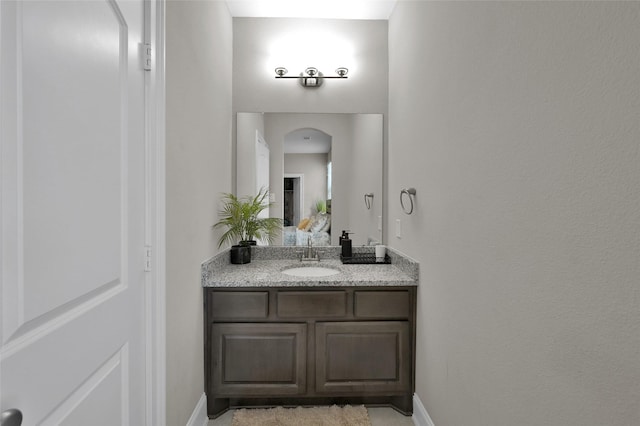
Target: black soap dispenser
{"points": [[345, 242]]}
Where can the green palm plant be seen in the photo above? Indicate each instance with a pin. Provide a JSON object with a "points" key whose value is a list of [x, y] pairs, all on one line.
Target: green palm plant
{"points": [[240, 217]]}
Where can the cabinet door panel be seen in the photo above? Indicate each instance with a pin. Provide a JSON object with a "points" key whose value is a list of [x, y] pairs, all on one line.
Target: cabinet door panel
{"points": [[312, 303], [239, 304], [258, 359], [382, 304], [368, 357]]}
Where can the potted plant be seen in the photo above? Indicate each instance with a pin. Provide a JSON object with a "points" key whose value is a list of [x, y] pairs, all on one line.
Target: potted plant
{"points": [[321, 206], [243, 226]]}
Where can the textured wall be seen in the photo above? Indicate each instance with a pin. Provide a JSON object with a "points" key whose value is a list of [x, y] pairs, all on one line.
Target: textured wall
{"points": [[518, 124], [198, 137]]}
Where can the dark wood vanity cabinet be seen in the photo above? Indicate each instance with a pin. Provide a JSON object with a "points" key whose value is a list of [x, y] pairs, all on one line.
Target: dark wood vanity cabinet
{"points": [[308, 346]]}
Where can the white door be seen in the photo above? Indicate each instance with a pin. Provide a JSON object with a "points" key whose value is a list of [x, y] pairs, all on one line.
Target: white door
{"points": [[72, 129]]}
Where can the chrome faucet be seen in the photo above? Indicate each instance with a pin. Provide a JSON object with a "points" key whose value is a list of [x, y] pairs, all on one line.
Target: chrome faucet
{"points": [[310, 253]]}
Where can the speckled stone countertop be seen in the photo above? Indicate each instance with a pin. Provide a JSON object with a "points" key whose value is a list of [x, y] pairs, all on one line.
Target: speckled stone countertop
{"points": [[267, 263]]}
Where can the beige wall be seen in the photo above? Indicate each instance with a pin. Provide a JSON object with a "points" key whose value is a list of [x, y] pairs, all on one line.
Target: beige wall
{"points": [[521, 136], [198, 137]]}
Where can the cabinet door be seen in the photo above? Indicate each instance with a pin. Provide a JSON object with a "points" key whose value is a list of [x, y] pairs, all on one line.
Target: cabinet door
{"points": [[258, 359], [363, 357]]}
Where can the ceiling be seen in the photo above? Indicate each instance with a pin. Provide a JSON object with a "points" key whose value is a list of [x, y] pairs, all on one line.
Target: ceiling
{"points": [[328, 9], [307, 141]]}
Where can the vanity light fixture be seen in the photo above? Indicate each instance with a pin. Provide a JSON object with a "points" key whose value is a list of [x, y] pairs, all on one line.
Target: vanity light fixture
{"points": [[311, 77]]}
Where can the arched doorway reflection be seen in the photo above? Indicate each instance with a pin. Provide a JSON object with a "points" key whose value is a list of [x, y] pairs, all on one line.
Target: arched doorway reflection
{"points": [[307, 187]]}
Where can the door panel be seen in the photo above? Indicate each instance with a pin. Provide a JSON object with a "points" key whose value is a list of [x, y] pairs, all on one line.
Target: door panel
{"points": [[74, 182], [72, 331], [100, 398]]}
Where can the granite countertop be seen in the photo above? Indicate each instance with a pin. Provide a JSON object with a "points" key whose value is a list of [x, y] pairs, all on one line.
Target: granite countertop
{"points": [[267, 272]]}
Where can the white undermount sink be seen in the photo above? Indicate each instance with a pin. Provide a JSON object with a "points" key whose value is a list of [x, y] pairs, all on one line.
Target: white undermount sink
{"points": [[311, 271]]}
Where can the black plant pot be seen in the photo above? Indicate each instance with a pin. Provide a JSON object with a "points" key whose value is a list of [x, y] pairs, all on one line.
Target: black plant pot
{"points": [[240, 254]]}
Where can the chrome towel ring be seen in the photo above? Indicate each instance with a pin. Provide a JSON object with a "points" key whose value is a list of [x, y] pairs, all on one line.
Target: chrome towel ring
{"points": [[368, 200], [410, 192]]}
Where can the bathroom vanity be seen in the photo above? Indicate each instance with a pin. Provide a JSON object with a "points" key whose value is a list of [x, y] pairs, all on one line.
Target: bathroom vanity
{"points": [[276, 339]]}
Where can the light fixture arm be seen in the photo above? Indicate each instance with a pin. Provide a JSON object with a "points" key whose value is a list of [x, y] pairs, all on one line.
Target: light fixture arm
{"points": [[311, 72]]}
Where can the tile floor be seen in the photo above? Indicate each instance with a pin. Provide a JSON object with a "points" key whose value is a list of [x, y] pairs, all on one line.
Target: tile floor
{"points": [[380, 416]]}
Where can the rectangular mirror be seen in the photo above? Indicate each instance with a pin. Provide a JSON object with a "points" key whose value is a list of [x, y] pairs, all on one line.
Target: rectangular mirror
{"points": [[314, 161]]}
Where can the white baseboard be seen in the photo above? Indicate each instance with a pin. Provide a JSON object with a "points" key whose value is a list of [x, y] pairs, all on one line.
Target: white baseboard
{"points": [[420, 416], [199, 416]]}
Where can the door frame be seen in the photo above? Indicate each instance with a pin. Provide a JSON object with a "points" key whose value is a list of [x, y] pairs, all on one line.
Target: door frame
{"points": [[299, 178], [155, 201]]}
